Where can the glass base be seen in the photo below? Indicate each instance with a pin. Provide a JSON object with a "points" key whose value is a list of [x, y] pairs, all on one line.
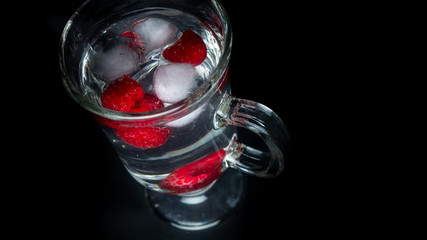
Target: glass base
{"points": [[200, 209]]}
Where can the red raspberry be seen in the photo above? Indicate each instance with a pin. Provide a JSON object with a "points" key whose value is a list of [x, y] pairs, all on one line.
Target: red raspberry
{"points": [[195, 175], [144, 137], [121, 94], [190, 48], [146, 104], [126, 95]]}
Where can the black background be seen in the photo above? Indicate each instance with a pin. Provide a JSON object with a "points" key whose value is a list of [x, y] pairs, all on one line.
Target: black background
{"points": [[287, 56]]}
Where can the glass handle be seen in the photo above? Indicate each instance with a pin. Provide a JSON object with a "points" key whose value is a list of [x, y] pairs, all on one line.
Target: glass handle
{"points": [[262, 121]]}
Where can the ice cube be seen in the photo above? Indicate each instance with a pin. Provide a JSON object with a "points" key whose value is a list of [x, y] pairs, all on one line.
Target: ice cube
{"points": [[155, 32], [185, 120], [115, 62], [174, 82]]}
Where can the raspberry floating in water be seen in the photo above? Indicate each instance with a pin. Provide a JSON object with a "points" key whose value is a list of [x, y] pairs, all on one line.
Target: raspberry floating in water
{"points": [[144, 137], [195, 175], [190, 48], [126, 95], [121, 94]]}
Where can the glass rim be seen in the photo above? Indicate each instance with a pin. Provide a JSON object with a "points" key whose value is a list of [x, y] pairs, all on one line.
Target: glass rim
{"points": [[196, 98]]}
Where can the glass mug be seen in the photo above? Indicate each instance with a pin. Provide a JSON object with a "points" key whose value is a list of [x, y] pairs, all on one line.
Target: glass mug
{"points": [[181, 150]]}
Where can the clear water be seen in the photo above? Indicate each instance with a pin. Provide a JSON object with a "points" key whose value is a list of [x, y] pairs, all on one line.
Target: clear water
{"points": [[187, 143], [148, 62]]}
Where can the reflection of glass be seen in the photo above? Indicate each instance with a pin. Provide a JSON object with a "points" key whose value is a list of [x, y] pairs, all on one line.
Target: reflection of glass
{"points": [[182, 147]]}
